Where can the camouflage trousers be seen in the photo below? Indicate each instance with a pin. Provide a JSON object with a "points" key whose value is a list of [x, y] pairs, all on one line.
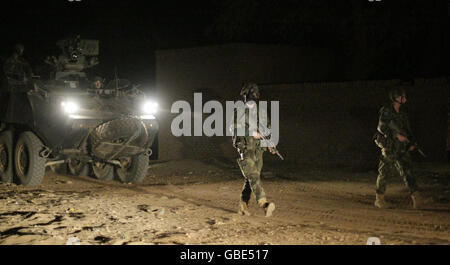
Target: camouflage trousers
{"points": [[394, 165], [251, 164]]}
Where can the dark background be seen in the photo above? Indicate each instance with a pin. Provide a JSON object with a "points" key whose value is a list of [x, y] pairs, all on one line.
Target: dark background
{"points": [[371, 40]]}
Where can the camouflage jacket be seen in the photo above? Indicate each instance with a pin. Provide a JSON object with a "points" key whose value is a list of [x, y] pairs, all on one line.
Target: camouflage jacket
{"points": [[17, 69], [389, 125], [242, 124]]}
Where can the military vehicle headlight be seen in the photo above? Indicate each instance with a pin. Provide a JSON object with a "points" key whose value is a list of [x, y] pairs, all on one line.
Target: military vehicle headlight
{"points": [[149, 107], [70, 107]]}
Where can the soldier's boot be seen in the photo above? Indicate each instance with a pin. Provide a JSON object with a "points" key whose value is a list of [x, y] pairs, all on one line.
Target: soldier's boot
{"points": [[419, 201], [380, 202], [268, 207], [243, 208]]}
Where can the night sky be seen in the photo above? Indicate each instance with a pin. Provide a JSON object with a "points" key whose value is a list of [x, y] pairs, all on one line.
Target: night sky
{"points": [[370, 40], [128, 32]]}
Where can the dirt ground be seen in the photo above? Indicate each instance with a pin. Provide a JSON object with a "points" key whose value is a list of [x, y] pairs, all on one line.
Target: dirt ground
{"points": [[195, 202]]}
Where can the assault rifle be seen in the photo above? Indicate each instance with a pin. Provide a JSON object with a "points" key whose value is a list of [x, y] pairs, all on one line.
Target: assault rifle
{"points": [[396, 129], [270, 142]]}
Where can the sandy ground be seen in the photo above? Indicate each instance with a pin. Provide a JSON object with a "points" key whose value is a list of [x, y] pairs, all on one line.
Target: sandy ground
{"points": [[194, 202]]}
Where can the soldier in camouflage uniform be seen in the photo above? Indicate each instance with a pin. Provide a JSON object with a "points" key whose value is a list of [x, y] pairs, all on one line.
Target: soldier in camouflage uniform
{"points": [[251, 154], [16, 68], [396, 141]]}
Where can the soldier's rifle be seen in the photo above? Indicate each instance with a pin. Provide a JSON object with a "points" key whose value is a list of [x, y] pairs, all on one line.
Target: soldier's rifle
{"points": [[396, 129], [269, 141]]}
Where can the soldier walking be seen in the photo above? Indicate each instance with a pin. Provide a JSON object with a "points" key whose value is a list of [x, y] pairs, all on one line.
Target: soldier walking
{"points": [[251, 153], [395, 138]]}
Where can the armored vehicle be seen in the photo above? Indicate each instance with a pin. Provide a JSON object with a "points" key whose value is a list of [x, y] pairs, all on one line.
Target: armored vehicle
{"points": [[65, 124]]}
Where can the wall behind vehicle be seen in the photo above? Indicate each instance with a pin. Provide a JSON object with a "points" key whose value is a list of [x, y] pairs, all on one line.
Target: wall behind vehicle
{"points": [[332, 124], [321, 123]]}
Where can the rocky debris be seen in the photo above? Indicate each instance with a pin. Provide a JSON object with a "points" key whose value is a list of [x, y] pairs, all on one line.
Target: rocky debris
{"points": [[102, 239], [159, 212], [63, 182], [7, 184], [73, 241], [143, 207], [316, 211]]}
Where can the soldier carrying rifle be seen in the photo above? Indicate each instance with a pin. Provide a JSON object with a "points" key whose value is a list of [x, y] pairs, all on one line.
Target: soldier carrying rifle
{"points": [[395, 138], [251, 152]]}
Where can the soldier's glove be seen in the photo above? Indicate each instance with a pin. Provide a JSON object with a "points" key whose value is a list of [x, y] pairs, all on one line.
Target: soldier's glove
{"points": [[402, 138], [257, 135], [272, 150], [412, 147]]}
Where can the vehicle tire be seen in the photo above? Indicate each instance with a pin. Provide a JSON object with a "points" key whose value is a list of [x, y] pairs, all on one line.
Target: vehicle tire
{"points": [[78, 168], [6, 157], [103, 172], [29, 166], [135, 171]]}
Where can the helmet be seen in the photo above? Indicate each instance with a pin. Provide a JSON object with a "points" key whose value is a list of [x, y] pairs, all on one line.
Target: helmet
{"points": [[18, 48], [248, 89], [395, 93]]}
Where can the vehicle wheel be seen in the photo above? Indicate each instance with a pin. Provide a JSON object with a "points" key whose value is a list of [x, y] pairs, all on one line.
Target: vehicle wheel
{"points": [[103, 171], [28, 164], [6, 156], [135, 169], [78, 168]]}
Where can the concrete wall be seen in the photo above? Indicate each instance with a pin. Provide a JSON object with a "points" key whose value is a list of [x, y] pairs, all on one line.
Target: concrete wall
{"points": [[333, 123], [320, 123], [218, 72]]}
